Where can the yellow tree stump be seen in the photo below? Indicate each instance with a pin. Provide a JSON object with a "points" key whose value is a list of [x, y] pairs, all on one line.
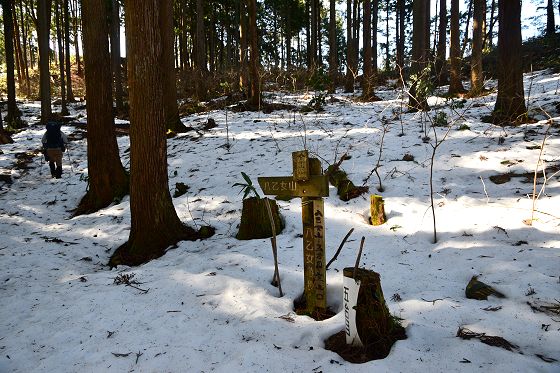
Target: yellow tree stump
{"points": [[377, 210]]}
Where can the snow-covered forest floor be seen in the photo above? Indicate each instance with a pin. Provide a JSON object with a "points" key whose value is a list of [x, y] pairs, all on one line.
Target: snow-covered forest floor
{"points": [[209, 305]]}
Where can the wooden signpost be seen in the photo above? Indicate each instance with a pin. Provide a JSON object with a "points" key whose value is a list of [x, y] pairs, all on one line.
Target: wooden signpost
{"points": [[309, 184]]}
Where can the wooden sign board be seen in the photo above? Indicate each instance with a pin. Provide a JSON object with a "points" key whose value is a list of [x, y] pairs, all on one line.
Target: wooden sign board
{"points": [[300, 164], [285, 186], [308, 183]]}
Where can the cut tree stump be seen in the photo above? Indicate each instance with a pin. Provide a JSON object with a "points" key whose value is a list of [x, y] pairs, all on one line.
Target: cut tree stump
{"points": [[255, 221], [377, 210], [377, 329]]}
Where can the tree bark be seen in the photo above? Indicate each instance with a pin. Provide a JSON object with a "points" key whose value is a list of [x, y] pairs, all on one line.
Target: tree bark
{"points": [[550, 26], [66, 17], [61, 67], [314, 34], [455, 82], [154, 222], [107, 177], [466, 36], [13, 112], [487, 43], [400, 44], [374, 22], [387, 57], [510, 103], [333, 58], [243, 49], [201, 68], [255, 96], [349, 82], [115, 38], [44, 21], [477, 80], [441, 73], [367, 84], [172, 121], [24, 42], [77, 38], [420, 46]]}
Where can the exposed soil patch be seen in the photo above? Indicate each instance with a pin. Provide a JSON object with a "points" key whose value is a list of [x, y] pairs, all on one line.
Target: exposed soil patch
{"points": [[528, 176], [374, 351]]}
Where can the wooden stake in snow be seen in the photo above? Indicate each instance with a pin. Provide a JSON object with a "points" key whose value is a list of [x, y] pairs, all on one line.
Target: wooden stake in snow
{"points": [[377, 210], [308, 183]]}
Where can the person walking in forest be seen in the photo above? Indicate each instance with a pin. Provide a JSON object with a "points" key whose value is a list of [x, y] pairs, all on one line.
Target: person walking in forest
{"points": [[54, 144]]}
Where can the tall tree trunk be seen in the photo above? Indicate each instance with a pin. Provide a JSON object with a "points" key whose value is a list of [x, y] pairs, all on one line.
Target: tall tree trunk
{"points": [[455, 82], [488, 36], [44, 21], [13, 111], [349, 82], [477, 80], [154, 222], [319, 62], [441, 73], [400, 46], [75, 16], [17, 44], [255, 96], [69, 90], [467, 26], [374, 22], [387, 57], [333, 58], [367, 83], [115, 38], [550, 27], [308, 34], [201, 68], [168, 72], [420, 46], [243, 48], [24, 42], [107, 177], [60, 43], [314, 33], [510, 103]]}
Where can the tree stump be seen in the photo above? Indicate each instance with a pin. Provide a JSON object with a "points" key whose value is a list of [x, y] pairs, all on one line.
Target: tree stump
{"points": [[255, 222], [377, 210], [377, 329], [346, 189]]}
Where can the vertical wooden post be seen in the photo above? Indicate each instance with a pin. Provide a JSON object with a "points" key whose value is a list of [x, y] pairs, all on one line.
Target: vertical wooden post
{"points": [[314, 248]]}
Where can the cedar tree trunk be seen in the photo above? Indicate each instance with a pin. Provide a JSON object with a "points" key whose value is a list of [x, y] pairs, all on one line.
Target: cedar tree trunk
{"points": [[107, 177], [510, 103], [13, 112], [420, 45], [115, 38], [333, 60], [367, 83], [550, 27], [477, 80], [69, 90], [154, 222], [349, 81], [441, 73], [172, 120], [255, 95], [455, 82], [44, 21]]}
